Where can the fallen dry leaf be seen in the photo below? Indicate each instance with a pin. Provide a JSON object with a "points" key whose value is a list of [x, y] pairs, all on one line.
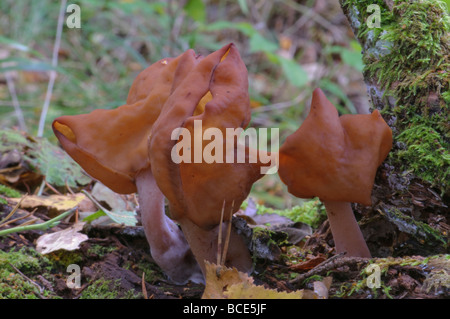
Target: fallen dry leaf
{"points": [[67, 239], [308, 264], [60, 203], [321, 288], [229, 283]]}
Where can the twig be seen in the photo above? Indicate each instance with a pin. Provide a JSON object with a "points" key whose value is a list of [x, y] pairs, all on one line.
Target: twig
{"points": [[227, 239], [316, 17], [41, 187], [31, 281], [52, 188], [53, 73], [42, 226], [281, 105], [15, 101], [219, 239], [68, 187], [4, 220], [329, 264], [20, 218], [144, 290], [96, 203]]}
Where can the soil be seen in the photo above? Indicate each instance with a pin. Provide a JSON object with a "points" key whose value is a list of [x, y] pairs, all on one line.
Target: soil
{"points": [[115, 263]]}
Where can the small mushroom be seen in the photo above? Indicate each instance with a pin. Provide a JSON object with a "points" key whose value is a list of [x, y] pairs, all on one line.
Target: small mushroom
{"points": [[199, 190], [111, 146], [336, 159]]}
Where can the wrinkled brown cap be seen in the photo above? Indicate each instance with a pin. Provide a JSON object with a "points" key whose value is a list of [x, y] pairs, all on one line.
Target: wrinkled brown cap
{"points": [[111, 145], [197, 191], [334, 158]]}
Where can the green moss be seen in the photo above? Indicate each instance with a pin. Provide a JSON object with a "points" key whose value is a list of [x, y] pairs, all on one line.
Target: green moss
{"points": [[101, 289], [14, 285], [312, 212], [64, 258], [439, 277], [151, 271], [107, 289], [446, 96], [24, 259], [409, 56], [270, 236], [100, 251], [266, 243], [423, 233], [427, 153], [9, 192]]}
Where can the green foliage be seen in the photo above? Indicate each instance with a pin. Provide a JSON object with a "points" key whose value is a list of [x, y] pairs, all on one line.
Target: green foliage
{"points": [[426, 152], [57, 167], [196, 10], [9, 192], [45, 158], [311, 212], [21, 259], [94, 216], [107, 289], [351, 56], [102, 64], [422, 232], [101, 289], [63, 258], [293, 72], [12, 284]]}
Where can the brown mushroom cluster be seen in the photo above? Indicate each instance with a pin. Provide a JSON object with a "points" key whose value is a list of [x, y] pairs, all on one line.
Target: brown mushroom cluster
{"points": [[336, 158], [130, 149]]}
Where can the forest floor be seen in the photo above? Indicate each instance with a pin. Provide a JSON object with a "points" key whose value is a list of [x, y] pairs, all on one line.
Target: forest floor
{"points": [[115, 263]]}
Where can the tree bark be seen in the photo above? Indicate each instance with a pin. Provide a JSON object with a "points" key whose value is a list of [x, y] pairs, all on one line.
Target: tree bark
{"points": [[407, 74]]}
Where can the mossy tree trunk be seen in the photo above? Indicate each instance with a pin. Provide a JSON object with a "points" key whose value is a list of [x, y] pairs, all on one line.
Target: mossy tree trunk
{"points": [[407, 73]]}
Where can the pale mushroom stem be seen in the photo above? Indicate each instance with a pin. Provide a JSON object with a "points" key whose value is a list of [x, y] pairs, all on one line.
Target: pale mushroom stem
{"points": [[168, 246], [204, 246], [345, 229]]}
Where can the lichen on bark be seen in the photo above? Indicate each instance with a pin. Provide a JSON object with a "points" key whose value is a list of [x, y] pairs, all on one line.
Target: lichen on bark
{"points": [[407, 73], [407, 70]]}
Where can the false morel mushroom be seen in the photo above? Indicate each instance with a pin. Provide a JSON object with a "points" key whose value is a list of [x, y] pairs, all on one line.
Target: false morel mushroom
{"points": [[336, 159], [198, 190], [130, 149], [112, 147]]}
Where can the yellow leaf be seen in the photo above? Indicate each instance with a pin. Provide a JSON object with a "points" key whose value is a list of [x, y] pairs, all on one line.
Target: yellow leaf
{"points": [[244, 290], [60, 203], [229, 283]]}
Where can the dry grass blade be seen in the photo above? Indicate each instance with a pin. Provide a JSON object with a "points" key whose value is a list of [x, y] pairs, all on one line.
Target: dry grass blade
{"points": [[227, 239], [144, 291], [15, 100], [41, 290], [4, 220], [32, 221], [219, 239], [53, 73]]}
